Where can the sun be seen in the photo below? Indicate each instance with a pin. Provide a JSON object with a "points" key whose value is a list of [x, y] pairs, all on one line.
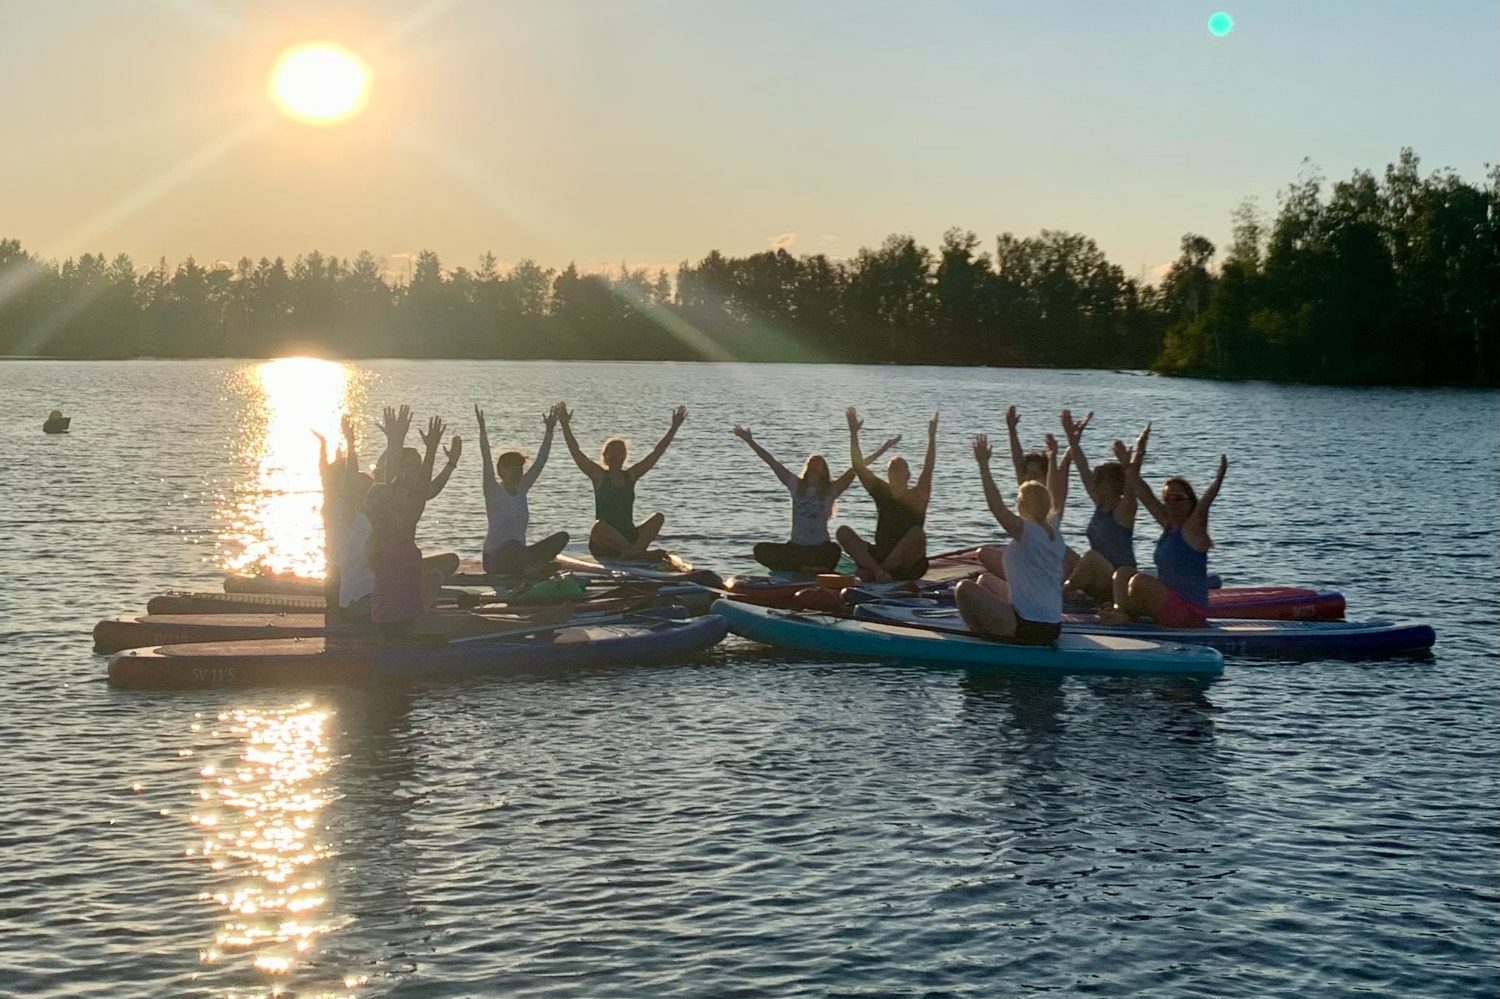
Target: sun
{"points": [[319, 83]]}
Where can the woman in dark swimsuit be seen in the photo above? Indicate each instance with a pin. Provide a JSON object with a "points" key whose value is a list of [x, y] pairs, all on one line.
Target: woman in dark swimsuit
{"points": [[1177, 597], [1111, 530], [615, 533], [900, 547]]}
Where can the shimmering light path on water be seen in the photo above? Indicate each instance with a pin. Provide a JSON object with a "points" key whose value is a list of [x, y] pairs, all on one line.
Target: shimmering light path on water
{"points": [[751, 823]]}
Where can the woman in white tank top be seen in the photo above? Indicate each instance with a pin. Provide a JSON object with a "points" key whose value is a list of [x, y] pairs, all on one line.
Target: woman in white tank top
{"points": [[1026, 606]]}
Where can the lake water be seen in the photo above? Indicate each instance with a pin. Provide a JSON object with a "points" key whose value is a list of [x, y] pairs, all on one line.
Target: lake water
{"points": [[751, 823]]}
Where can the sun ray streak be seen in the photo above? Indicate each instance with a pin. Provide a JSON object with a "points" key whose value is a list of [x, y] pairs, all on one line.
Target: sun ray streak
{"points": [[160, 186]]}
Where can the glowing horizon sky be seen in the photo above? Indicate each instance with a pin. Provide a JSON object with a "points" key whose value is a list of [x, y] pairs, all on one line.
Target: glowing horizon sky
{"points": [[652, 132]]}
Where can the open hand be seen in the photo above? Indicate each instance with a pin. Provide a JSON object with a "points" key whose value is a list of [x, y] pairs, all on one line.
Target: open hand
{"points": [[893, 442], [395, 423], [479, 416], [549, 418], [346, 427], [1012, 418], [743, 433], [433, 434], [1051, 443], [982, 450], [563, 415], [1122, 454], [678, 415], [453, 450]]}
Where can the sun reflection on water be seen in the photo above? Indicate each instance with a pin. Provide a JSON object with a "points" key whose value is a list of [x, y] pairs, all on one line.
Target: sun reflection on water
{"points": [[259, 825], [275, 522]]}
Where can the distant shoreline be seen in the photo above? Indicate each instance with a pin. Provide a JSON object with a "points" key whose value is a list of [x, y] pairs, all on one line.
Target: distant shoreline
{"points": [[1136, 372]]}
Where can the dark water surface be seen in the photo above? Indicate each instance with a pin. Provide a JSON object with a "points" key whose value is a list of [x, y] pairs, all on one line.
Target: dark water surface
{"points": [[750, 823]]}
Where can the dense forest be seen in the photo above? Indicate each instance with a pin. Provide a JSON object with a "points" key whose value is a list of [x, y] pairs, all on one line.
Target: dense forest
{"points": [[1394, 280]]}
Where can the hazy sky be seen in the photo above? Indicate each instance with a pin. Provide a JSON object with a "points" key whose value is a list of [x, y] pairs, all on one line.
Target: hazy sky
{"points": [[653, 130]]}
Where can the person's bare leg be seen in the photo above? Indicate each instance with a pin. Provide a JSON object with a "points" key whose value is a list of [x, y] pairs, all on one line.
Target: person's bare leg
{"points": [[912, 548], [644, 536], [983, 611], [1093, 575], [1119, 611], [1146, 595], [605, 541], [859, 550], [995, 585], [992, 557]]}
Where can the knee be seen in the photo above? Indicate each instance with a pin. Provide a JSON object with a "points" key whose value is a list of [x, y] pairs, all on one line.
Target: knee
{"points": [[1123, 575], [845, 534]]}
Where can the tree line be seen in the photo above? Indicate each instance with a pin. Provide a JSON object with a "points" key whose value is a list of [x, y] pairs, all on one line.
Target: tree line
{"points": [[1390, 280], [1348, 290]]}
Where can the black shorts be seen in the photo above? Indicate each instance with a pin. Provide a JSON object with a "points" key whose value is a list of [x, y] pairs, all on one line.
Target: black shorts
{"points": [[1037, 632]]}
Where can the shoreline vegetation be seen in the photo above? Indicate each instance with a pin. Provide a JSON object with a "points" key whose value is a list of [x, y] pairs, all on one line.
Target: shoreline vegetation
{"points": [[1392, 280]]}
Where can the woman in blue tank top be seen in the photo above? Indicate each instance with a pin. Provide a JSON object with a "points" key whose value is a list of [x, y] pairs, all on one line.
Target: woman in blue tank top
{"points": [[1111, 530], [1178, 596]]}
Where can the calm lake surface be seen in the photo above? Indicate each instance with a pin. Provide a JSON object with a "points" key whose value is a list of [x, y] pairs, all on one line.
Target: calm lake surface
{"points": [[750, 823]]}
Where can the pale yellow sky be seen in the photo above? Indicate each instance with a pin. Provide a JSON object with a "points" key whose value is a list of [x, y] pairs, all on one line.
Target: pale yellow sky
{"points": [[652, 132]]}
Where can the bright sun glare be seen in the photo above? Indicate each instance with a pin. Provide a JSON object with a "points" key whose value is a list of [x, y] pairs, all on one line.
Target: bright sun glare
{"points": [[319, 83]]}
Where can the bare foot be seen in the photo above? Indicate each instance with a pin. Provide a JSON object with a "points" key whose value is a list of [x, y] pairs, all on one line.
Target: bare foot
{"points": [[1111, 615]]}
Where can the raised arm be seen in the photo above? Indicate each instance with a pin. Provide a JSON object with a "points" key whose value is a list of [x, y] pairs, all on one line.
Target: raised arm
{"points": [[450, 454], [585, 465], [1057, 476], [549, 420], [351, 455], [394, 424], [484, 449], [1074, 433], [1009, 521], [1200, 512], [924, 481], [843, 481], [1141, 487], [647, 463], [856, 456], [1017, 457], [745, 434]]}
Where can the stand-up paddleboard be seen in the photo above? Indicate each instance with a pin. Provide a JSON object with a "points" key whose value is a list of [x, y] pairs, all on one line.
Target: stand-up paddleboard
{"points": [[963, 563], [841, 636], [295, 584], [309, 662], [1256, 603], [667, 567], [135, 632], [1263, 639], [185, 602], [142, 631]]}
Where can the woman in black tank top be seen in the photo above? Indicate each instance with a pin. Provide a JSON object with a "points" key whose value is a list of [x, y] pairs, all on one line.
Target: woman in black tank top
{"points": [[900, 547]]}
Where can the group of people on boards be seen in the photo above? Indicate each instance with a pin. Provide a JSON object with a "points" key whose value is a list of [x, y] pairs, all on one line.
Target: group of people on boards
{"points": [[376, 573]]}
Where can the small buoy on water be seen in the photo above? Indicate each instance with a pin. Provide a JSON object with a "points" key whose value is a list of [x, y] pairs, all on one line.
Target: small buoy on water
{"points": [[56, 423]]}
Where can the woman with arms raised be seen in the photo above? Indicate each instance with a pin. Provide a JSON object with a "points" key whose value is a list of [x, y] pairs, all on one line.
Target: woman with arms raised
{"points": [[900, 548], [507, 481], [404, 586], [813, 495], [1026, 606], [1178, 595], [1111, 530], [615, 533]]}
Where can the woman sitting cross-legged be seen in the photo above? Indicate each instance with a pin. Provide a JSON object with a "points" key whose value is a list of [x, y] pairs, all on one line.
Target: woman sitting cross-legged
{"points": [[1026, 606], [813, 495], [900, 547]]}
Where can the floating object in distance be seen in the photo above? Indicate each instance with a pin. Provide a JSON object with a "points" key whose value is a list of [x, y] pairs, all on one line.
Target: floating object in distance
{"points": [[319, 83], [56, 423], [1220, 24]]}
